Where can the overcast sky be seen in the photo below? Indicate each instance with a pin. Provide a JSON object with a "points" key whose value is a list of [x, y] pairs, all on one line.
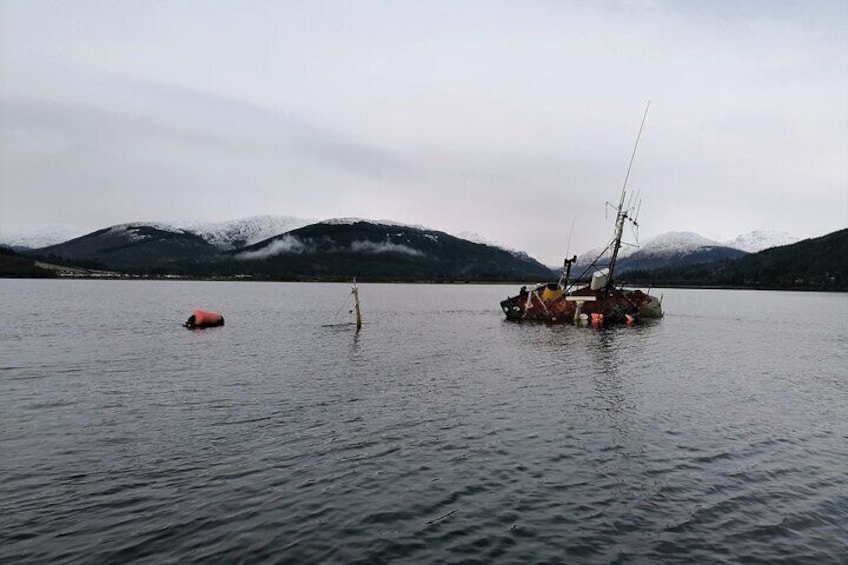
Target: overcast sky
{"points": [[508, 119]]}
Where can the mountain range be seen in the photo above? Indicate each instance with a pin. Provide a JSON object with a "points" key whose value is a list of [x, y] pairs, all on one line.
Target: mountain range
{"points": [[819, 263], [280, 247], [231, 234], [332, 249], [225, 235], [682, 248]]}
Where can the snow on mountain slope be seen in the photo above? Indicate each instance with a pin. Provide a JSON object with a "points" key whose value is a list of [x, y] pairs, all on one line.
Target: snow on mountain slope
{"points": [[758, 240], [241, 232], [664, 250], [477, 238], [665, 244], [33, 237], [591, 254], [225, 235], [351, 221], [468, 236], [677, 242], [386, 250], [135, 231], [585, 259]]}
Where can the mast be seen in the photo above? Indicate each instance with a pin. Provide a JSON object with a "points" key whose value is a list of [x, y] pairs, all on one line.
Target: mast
{"points": [[622, 214]]}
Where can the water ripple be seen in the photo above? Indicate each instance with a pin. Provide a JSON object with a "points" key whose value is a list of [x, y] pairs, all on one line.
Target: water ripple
{"points": [[436, 435]]}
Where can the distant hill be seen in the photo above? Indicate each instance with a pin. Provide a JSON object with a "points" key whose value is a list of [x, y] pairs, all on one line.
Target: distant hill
{"points": [[759, 240], [226, 235], [677, 249], [21, 238], [233, 234], [818, 263], [137, 248], [672, 249], [335, 249], [14, 265], [375, 250], [385, 250]]}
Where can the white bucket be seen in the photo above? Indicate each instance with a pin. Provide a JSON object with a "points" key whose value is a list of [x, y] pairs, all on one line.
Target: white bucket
{"points": [[599, 279]]}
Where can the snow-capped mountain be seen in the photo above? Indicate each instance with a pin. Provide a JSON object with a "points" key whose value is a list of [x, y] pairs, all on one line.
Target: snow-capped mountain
{"points": [[225, 235], [138, 231], [758, 240], [672, 248], [681, 241], [585, 259], [352, 221], [32, 237], [677, 242], [242, 232], [588, 256], [669, 249], [466, 235], [340, 248], [382, 250], [678, 248], [477, 238], [136, 247]]}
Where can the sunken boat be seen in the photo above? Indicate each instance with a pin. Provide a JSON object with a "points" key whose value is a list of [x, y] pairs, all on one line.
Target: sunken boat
{"points": [[600, 301]]}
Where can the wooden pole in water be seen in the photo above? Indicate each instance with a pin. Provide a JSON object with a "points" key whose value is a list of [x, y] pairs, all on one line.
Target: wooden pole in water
{"points": [[356, 306]]}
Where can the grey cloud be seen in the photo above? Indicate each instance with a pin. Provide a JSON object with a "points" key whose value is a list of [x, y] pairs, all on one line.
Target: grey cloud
{"points": [[285, 244], [383, 247], [194, 120], [506, 120]]}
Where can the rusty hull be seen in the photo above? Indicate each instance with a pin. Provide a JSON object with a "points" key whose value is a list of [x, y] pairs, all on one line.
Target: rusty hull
{"points": [[617, 306]]}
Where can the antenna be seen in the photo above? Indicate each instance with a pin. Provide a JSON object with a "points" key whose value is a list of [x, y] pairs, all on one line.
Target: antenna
{"points": [[633, 155], [566, 266], [622, 215], [570, 233]]}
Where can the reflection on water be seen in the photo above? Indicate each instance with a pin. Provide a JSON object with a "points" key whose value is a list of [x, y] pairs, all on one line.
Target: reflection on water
{"points": [[438, 433]]}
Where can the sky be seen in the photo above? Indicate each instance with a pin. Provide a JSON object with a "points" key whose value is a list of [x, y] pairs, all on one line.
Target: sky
{"points": [[512, 120]]}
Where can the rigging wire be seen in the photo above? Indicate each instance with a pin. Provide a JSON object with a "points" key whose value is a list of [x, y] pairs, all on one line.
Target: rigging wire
{"points": [[344, 305]]}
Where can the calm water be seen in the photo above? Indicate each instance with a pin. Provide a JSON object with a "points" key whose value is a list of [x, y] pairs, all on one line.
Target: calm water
{"points": [[438, 434]]}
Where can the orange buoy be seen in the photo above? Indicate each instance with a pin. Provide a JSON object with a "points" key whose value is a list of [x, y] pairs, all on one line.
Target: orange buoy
{"points": [[204, 319]]}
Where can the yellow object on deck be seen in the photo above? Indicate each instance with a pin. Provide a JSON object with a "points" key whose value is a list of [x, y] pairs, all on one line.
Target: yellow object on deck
{"points": [[549, 295]]}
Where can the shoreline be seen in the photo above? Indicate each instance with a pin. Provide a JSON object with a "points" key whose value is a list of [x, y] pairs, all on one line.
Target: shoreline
{"points": [[107, 275]]}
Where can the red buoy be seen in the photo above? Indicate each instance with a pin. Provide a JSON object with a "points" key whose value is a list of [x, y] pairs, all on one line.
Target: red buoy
{"points": [[204, 319]]}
